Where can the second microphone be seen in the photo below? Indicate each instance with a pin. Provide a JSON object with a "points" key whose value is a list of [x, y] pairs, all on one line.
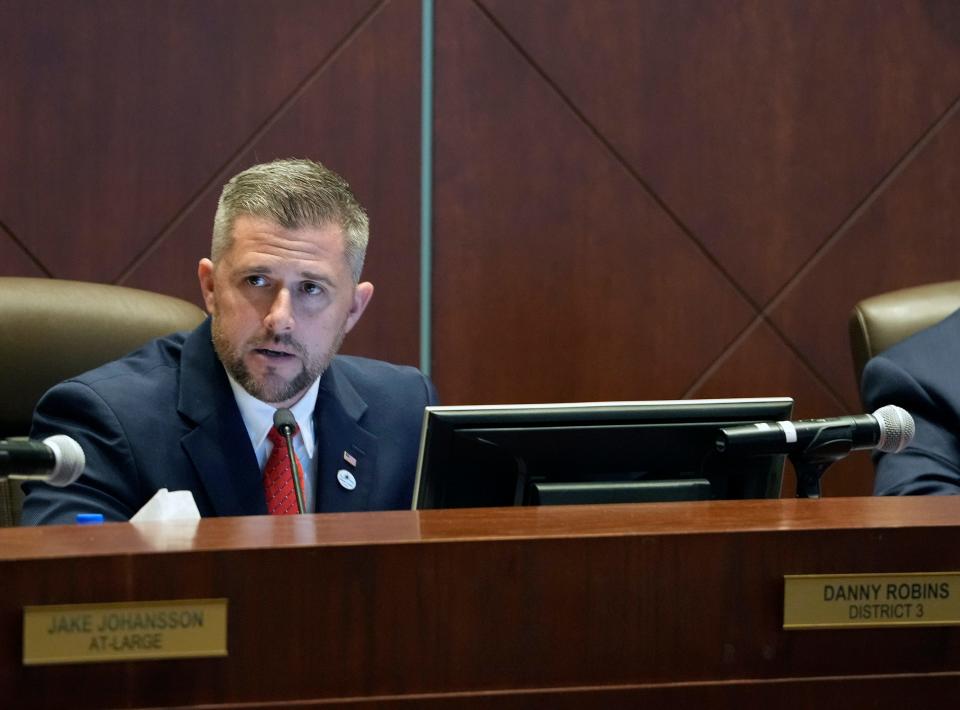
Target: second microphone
{"points": [[889, 429]]}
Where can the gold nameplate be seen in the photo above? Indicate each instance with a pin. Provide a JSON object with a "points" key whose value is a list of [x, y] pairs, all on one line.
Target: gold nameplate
{"points": [[819, 601], [124, 631]]}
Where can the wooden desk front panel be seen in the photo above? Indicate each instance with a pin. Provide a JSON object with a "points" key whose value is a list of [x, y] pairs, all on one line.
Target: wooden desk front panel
{"points": [[597, 600]]}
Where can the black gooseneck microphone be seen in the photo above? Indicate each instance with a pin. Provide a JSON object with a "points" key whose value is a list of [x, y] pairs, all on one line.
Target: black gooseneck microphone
{"points": [[889, 429], [814, 444], [286, 424], [57, 460]]}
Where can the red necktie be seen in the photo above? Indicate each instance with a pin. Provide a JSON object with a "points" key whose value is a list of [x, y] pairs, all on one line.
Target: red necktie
{"points": [[277, 481]]}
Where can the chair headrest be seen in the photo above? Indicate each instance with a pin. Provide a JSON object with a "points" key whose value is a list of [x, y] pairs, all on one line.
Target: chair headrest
{"points": [[52, 329], [882, 321]]}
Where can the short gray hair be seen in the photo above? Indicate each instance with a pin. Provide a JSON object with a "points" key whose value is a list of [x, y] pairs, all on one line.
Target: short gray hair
{"points": [[294, 193]]}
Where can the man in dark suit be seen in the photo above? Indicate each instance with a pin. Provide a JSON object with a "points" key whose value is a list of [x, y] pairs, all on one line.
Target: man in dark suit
{"points": [[193, 411], [920, 375]]}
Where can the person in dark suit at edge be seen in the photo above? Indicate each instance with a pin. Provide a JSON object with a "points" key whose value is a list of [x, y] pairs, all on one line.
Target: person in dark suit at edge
{"points": [[920, 375], [192, 411]]}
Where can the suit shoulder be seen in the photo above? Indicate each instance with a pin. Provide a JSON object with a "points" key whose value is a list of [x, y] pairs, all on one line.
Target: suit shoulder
{"points": [[383, 382], [916, 372], [940, 343], [362, 369], [140, 365]]}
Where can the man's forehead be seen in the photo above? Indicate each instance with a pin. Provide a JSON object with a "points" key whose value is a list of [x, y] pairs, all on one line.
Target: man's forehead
{"points": [[256, 235], [260, 223]]}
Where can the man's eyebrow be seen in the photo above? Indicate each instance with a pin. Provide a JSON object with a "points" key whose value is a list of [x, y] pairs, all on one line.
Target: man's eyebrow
{"points": [[254, 268], [313, 276]]}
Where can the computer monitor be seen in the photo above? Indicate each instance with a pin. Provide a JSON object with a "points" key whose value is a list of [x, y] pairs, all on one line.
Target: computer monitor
{"points": [[604, 452]]}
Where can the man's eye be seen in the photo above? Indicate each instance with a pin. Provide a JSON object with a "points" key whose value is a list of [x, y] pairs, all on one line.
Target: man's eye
{"points": [[256, 280], [312, 289]]}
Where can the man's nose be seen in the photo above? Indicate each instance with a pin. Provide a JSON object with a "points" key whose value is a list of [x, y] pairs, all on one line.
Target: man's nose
{"points": [[279, 318]]}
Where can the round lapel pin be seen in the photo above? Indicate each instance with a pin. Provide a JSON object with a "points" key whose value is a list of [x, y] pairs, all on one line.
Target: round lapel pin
{"points": [[346, 479]]}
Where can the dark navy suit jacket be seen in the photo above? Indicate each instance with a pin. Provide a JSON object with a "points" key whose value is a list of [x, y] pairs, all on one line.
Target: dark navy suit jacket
{"points": [[922, 375], [165, 417]]}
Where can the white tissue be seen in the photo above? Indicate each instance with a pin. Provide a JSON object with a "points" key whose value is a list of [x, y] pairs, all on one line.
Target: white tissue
{"points": [[178, 505]]}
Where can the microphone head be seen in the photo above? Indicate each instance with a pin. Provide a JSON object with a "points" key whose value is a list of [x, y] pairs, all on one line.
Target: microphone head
{"points": [[69, 459], [284, 421], [896, 428]]}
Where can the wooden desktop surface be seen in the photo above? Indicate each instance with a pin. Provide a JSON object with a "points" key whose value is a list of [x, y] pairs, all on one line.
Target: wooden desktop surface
{"points": [[528, 607]]}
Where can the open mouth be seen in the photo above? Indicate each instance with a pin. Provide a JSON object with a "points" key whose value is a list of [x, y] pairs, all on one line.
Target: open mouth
{"points": [[274, 354]]}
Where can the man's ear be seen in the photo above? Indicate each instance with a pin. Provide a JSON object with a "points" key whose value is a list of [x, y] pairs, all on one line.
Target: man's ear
{"points": [[362, 294], [205, 276]]}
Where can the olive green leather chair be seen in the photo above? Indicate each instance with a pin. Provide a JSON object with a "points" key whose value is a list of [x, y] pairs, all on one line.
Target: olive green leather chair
{"points": [[52, 329], [880, 321]]}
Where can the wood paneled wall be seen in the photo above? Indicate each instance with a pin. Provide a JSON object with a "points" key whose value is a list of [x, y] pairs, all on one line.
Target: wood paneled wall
{"points": [[646, 199], [124, 120], [633, 199]]}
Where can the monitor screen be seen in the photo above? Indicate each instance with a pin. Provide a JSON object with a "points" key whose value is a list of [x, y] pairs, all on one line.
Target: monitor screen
{"points": [[604, 452]]}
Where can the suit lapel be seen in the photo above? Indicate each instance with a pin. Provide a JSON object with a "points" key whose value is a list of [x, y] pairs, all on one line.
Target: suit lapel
{"points": [[342, 446], [219, 446]]}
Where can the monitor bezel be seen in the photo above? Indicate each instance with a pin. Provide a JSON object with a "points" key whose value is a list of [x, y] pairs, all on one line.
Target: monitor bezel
{"points": [[742, 410]]}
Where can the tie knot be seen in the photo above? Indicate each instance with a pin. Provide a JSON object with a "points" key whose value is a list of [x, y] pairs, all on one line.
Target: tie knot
{"points": [[276, 438]]}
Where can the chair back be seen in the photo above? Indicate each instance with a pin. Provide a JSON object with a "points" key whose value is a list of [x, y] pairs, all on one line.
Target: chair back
{"points": [[52, 329], [879, 322]]}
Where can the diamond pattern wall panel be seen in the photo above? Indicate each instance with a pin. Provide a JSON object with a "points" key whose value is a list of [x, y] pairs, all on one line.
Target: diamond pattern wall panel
{"points": [[14, 261], [756, 130], [556, 276], [906, 235], [761, 124], [133, 115], [117, 113]]}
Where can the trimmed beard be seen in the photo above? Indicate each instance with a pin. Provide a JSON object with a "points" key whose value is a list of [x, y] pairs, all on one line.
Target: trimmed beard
{"points": [[276, 390]]}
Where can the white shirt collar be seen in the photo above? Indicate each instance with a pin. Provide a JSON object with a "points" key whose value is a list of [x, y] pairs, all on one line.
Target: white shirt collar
{"points": [[258, 415]]}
